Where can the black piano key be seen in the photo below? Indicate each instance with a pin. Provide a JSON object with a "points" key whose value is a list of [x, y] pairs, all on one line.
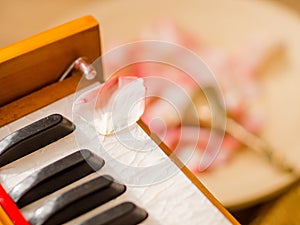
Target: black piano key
{"points": [[55, 176], [126, 213], [77, 201], [33, 137]]}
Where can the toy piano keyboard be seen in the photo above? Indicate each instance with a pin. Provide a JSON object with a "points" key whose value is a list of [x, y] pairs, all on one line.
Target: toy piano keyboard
{"points": [[48, 178]]}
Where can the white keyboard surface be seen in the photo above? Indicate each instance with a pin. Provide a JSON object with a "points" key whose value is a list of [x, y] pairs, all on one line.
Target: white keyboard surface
{"points": [[167, 195]]}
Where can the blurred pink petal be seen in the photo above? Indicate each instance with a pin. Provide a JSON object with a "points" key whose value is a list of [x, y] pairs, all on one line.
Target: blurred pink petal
{"points": [[167, 30], [237, 75]]}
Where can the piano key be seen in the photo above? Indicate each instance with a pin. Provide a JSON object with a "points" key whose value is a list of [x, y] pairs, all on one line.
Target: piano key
{"points": [[33, 137], [126, 213], [55, 176], [77, 201]]}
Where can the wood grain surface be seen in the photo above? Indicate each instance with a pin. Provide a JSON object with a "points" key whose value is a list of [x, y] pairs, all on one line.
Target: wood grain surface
{"points": [[40, 60]]}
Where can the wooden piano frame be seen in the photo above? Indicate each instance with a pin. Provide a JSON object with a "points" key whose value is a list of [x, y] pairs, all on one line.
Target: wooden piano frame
{"points": [[30, 69]]}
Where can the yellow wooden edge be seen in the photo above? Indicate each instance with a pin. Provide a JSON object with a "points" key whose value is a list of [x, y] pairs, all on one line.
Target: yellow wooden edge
{"points": [[187, 172], [36, 100], [39, 61], [47, 37], [4, 218]]}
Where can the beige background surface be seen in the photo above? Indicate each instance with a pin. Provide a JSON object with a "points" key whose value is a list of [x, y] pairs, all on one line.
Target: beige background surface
{"points": [[227, 23]]}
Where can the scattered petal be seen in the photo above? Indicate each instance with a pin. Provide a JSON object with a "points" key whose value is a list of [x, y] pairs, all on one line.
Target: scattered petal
{"points": [[115, 105]]}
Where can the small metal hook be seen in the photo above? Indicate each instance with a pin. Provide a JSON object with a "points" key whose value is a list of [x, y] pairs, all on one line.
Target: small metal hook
{"points": [[80, 64]]}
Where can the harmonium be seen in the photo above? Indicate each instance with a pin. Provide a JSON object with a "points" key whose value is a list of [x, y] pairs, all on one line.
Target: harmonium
{"points": [[54, 169]]}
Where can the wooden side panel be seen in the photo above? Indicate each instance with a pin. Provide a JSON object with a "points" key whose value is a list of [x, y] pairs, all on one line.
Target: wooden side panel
{"points": [[40, 60], [38, 99], [187, 172]]}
